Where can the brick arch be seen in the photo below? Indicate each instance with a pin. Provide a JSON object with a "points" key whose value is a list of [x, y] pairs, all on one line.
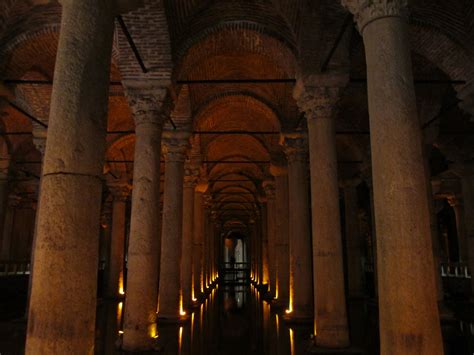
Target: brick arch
{"points": [[259, 114], [121, 148], [237, 39]]}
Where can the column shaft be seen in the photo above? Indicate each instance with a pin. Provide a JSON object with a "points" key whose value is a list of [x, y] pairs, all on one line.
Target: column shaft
{"points": [[188, 228], [301, 285], [328, 273], [115, 282], [198, 287], [62, 306], [409, 320], [144, 243], [171, 237]]}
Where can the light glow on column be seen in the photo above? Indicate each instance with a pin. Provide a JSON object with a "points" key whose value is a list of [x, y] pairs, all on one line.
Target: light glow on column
{"points": [[181, 308]]}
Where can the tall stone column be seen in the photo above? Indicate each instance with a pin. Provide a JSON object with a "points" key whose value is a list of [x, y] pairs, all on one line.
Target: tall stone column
{"points": [[354, 241], [301, 282], [271, 219], [115, 277], [143, 256], [280, 173], [190, 180], [467, 183], [198, 280], [4, 167], [175, 145], [319, 103], [12, 203], [265, 248], [458, 207], [409, 320], [64, 282]]}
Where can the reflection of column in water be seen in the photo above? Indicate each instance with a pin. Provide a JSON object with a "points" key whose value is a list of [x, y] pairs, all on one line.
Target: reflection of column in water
{"points": [[292, 342], [266, 327]]}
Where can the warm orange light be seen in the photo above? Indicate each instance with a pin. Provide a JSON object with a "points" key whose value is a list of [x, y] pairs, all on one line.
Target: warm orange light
{"points": [[152, 331], [181, 309], [121, 289], [180, 339], [119, 312], [120, 332], [292, 342]]}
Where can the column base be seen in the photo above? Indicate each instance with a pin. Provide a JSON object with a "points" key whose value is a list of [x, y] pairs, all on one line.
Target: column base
{"points": [[296, 319], [279, 304], [345, 351], [164, 320]]}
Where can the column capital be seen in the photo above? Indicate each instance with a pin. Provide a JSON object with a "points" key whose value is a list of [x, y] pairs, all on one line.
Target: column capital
{"points": [[269, 187], [454, 201], [318, 95], [366, 11], [149, 105], [175, 145], [191, 175], [39, 138], [120, 190], [295, 146]]}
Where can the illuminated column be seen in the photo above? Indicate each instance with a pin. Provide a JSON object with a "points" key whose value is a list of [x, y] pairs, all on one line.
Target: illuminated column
{"points": [[190, 180], [280, 172], [409, 320], [143, 256], [198, 281], [301, 282], [263, 234], [271, 219], [62, 307], [206, 237], [115, 281], [318, 98], [175, 145], [4, 164]]}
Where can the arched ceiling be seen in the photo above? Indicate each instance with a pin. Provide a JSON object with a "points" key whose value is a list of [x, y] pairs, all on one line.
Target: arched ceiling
{"points": [[192, 41]]}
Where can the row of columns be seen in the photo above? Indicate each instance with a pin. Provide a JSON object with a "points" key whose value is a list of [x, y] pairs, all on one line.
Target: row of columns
{"points": [[62, 303]]}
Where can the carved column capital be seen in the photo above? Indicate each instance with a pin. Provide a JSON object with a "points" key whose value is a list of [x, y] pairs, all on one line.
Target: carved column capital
{"points": [[295, 146], [269, 187], [318, 96], [366, 11], [191, 175], [149, 105], [175, 145], [39, 138], [120, 190]]}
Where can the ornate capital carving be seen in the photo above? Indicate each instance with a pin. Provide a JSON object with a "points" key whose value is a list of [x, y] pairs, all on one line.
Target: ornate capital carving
{"points": [[175, 145], [318, 95], [269, 187], [149, 105], [295, 146], [191, 175], [366, 11], [120, 190], [39, 138]]}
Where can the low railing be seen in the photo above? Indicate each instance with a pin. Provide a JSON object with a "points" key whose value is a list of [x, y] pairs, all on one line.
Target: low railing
{"points": [[14, 267], [456, 270]]}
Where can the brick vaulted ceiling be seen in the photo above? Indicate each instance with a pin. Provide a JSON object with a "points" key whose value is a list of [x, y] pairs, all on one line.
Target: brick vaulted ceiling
{"points": [[190, 40]]}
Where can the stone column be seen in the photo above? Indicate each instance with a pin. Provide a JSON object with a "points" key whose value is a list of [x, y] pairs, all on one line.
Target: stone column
{"points": [[4, 165], [12, 203], [149, 110], [175, 145], [198, 281], [319, 103], [64, 282], [301, 285], [467, 183], [354, 242], [271, 219], [280, 172], [115, 277], [457, 204], [409, 320], [190, 180], [265, 248]]}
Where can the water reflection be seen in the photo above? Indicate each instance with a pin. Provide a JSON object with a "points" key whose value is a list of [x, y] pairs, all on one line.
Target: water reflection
{"points": [[232, 320]]}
